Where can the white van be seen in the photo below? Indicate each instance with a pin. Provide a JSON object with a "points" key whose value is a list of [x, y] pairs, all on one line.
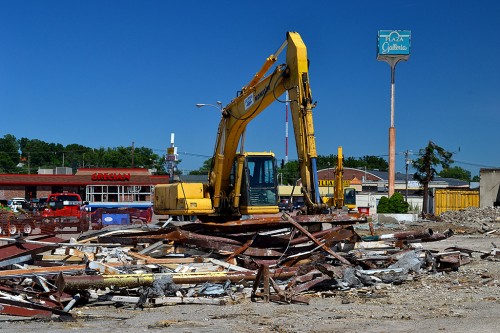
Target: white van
{"points": [[17, 204]]}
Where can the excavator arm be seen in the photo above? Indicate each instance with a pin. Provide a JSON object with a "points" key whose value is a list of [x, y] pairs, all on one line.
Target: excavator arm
{"points": [[257, 96]]}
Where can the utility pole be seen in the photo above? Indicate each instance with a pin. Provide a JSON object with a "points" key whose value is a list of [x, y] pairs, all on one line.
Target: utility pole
{"points": [[407, 163], [133, 154]]}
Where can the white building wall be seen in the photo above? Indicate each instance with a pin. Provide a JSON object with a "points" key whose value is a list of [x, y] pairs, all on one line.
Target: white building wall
{"points": [[371, 200]]}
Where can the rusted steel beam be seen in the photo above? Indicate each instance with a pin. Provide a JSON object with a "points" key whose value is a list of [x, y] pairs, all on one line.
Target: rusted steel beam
{"points": [[341, 234], [319, 235], [23, 308], [404, 235], [241, 250], [251, 251], [311, 237], [21, 311], [319, 274], [262, 275], [183, 235], [218, 243], [281, 297], [309, 284], [451, 261], [256, 224], [341, 218]]}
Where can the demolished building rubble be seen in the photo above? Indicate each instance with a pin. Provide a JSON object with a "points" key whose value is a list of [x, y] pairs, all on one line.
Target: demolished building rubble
{"points": [[262, 259]]}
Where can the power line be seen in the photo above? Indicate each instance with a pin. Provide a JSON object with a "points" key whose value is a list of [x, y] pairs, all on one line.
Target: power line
{"points": [[475, 164]]}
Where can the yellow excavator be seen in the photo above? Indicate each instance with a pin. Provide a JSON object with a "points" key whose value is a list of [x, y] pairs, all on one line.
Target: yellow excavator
{"points": [[343, 197], [245, 183]]}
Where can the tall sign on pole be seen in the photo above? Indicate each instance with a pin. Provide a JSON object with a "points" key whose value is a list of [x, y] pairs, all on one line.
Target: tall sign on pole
{"points": [[392, 47], [171, 158]]}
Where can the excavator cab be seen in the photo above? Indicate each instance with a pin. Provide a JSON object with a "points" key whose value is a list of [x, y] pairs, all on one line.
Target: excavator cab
{"points": [[350, 198], [259, 184]]}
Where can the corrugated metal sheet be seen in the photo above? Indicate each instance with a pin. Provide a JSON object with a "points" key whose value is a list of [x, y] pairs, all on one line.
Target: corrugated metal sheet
{"points": [[455, 200]]}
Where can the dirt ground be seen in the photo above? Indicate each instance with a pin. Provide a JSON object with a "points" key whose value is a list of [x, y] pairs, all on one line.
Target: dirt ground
{"points": [[466, 300]]}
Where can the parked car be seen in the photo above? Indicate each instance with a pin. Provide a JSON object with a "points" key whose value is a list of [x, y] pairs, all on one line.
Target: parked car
{"points": [[285, 205], [38, 205], [298, 205], [42, 203], [17, 204]]}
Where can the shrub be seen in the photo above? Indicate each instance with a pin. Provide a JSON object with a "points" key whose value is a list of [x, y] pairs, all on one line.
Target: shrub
{"points": [[383, 205], [395, 205]]}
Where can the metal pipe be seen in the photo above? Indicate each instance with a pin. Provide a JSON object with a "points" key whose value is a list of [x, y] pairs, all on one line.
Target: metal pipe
{"points": [[136, 280], [404, 235]]}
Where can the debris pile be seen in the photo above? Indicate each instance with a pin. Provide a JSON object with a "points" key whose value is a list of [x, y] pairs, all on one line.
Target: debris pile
{"points": [[483, 220], [208, 263]]}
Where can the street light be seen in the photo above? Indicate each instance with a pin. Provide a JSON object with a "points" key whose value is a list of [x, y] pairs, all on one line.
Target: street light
{"points": [[218, 106], [222, 133]]}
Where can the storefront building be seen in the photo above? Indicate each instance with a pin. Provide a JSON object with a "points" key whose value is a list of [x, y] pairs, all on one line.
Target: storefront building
{"points": [[93, 184]]}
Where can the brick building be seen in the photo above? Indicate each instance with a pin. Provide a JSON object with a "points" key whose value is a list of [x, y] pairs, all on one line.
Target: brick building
{"points": [[93, 184]]}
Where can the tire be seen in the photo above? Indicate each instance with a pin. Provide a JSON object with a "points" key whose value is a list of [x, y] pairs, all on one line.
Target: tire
{"points": [[12, 229], [27, 229]]}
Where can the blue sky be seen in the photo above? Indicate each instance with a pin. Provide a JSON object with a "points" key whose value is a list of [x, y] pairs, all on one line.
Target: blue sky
{"points": [[109, 73]]}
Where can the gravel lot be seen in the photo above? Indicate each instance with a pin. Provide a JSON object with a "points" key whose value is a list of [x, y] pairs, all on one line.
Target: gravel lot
{"points": [[466, 300]]}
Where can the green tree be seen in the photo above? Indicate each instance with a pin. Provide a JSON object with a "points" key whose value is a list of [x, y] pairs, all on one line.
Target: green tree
{"points": [[9, 154], [40, 154], [429, 158], [290, 172], [34, 154], [118, 157], [456, 173], [476, 178], [375, 163], [368, 162], [205, 168], [145, 158], [74, 155], [328, 161]]}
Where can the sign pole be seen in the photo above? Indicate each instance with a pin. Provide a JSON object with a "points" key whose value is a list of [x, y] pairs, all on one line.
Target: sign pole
{"points": [[392, 47], [171, 158], [392, 130]]}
